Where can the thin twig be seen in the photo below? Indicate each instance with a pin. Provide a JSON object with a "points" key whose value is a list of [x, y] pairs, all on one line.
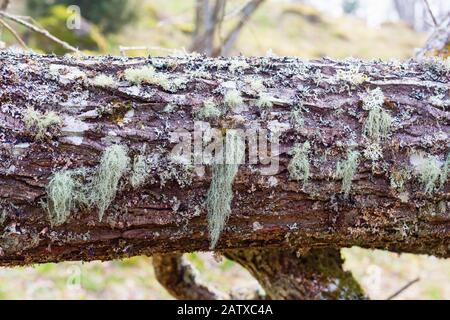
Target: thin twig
{"points": [[14, 33], [406, 286], [427, 5], [41, 31], [245, 14]]}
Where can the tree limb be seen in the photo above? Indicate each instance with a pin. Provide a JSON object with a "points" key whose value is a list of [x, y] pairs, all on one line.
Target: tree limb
{"points": [[36, 29], [393, 203], [438, 44], [244, 17]]}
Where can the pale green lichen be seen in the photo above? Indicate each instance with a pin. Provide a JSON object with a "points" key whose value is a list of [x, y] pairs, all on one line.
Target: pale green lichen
{"points": [[139, 172], [345, 170], [60, 191], [69, 189], [352, 76], [233, 98], [220, 193], [104, 81], [148, 75], [209, 110], [40, 122], [65, 192], [140, 75], [299, 168], [445, 169], [113, 165], [297, 119], [378, 122], [265, 101], [429, 172]]}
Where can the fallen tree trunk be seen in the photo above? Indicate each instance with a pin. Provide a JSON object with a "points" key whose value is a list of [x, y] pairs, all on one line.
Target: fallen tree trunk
{"points": [[373, 136]]}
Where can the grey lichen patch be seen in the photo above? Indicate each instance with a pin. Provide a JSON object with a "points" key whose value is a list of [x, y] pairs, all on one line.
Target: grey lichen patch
{"points": [[5, 209], [439, 101], [139, 172], [399, 178], [232, 99], [436, 65], [256, 85], [38, 122], [169, 108], [346, 169], [299, 168], [378, 122], [104, 81], [297, 118], [373, 152], [113, 165], [220, 193], [209, 110], [238, 65]]}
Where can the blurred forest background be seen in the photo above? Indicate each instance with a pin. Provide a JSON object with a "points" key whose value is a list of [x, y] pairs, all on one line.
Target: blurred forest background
{"points": [[386, 29]]}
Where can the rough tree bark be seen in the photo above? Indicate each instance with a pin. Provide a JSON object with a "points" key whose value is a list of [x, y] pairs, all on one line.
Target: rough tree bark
{"points": [[398, 199]]}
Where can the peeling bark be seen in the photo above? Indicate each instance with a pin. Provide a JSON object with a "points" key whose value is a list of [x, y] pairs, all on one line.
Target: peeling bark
{"points": [[166, 213]]}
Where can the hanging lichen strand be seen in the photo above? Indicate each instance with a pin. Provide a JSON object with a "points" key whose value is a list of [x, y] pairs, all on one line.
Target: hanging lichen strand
{"points": [[67, 189], [220, 193]]}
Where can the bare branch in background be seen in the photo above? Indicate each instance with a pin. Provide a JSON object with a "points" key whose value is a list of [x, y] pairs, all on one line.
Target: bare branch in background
{"points": [[244, 14], [14, 33], [182, 281], [45, 33], [402, 289], [427, 5], [437, 43], [208, 19]]}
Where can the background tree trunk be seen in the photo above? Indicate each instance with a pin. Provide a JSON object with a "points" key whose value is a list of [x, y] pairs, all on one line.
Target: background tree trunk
{"points": [[166, 214]]}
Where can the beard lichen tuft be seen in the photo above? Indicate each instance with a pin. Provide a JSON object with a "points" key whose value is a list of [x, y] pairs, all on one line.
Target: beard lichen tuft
{"points": [[299, 165], [65, 192], [345, 170], [113, 165], [220, 193], [139, 172], [232, 99], [430, 173], [60, 193], [378, 122]]}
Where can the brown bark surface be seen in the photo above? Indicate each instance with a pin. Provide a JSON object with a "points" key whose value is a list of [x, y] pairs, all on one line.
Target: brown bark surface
{"points": [[166, 214]]}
